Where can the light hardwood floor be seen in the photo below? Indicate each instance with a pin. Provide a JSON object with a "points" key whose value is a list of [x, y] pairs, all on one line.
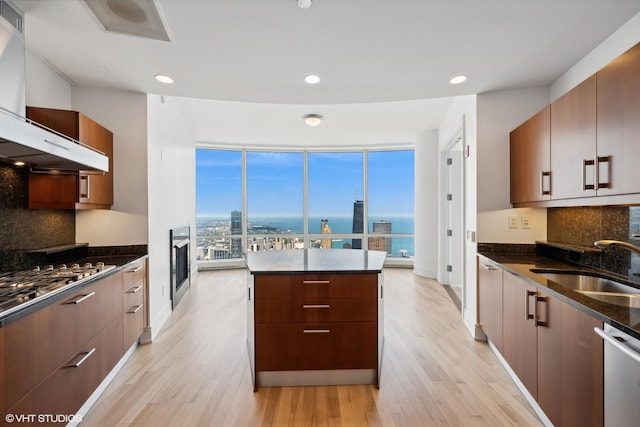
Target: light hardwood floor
{"points": [[196, 372]]}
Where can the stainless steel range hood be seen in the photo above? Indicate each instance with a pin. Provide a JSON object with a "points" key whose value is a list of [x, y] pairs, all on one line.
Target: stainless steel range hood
{"points": [[20, 139]]}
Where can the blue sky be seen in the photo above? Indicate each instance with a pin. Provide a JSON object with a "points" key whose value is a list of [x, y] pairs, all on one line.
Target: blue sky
{"points": [[275, 182]]}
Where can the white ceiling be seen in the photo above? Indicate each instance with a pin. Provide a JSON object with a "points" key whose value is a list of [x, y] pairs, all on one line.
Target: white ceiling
{"points": [[365, 51]]}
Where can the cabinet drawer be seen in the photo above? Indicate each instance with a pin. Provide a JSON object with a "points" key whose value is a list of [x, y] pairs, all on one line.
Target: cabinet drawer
{"points": [[133, 295], [133, 324], [316, 309], [133, 274], [67, 388], [302, 346], [316, 286]]}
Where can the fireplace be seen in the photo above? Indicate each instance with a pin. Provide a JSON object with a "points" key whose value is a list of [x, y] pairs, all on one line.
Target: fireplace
{"points": [[180, 282]]}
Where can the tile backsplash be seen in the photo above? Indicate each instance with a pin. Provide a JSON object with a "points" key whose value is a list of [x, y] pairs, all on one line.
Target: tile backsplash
{"points": [[582, 226], [23, 229]]}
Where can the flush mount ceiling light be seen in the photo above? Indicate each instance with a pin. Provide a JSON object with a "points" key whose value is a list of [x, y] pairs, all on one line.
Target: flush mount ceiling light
{"points": [[312, 119], [162, 78], [312, 79], [304, 4], [458, 79], [140, 18], [18, 163]]}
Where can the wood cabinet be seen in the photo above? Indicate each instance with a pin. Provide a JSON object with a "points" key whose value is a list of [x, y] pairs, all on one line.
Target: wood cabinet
{"points": [[570, 364], [573, 142], [39, 348], [82, 190], [490, 300], [134, 290], [519, 337], [530, 159], [315, 322], [551, 347], [618, 124]]}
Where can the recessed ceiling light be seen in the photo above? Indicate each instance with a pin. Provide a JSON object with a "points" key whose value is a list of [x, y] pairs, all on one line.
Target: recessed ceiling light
{"points": [[163, 78], [312, 79], [458, 79], [312, 119], [304, 4]]}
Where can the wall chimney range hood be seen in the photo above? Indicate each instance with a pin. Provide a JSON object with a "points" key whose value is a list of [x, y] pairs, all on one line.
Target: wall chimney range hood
{"points": [[22, 140]]}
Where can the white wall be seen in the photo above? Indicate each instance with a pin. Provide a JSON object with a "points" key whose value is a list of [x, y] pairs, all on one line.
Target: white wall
{"points": [[619, 42], [45, 87], [426, 204], [124, 114], [172, 186], [498, 114]]}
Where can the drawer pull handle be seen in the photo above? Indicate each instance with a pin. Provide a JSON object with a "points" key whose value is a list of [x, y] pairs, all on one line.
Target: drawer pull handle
{"points": [[134, 290], [135, 309], [82, 298], [488, 267], [316, 331], [316, 306], [86, 354], [316, 282], [135, 270]]}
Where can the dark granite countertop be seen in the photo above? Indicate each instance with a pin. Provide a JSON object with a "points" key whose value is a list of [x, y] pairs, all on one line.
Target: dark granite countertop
{"points": [[315, 261], [624, 318]]}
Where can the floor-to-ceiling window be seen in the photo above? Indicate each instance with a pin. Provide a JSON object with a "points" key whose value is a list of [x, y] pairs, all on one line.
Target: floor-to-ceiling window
{"points": [[276, 200]]}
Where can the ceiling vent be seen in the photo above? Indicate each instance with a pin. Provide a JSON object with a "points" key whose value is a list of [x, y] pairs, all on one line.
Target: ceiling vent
{"points": [[140, 18], [11, 14]]}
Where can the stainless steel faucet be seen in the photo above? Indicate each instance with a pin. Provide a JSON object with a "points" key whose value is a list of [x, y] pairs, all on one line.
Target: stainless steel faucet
{"points": [[606, 243]]}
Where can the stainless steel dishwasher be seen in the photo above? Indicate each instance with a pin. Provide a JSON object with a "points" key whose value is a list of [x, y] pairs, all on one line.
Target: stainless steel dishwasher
{"points": [[621, 378]]}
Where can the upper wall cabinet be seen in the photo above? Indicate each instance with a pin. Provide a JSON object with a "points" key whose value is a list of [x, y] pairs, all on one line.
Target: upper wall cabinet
{"points": [[84, 190], [618, 118], [530, 160], [593, 144], [573, 142]]}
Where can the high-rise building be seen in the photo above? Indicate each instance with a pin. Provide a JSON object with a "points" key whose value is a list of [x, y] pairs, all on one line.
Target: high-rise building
{"points": [[325, 229], [236, 229], [358, 223], [381, 243]]}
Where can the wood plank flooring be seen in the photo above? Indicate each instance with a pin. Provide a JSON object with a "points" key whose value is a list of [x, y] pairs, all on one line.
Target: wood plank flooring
{"points": [[196, 372]]}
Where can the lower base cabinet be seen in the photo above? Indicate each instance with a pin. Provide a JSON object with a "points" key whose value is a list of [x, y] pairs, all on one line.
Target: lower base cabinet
{"points": [[551, 347]]}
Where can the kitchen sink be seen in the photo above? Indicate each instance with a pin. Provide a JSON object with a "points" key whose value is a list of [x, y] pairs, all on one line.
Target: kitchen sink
{"points": [[595, 286]]}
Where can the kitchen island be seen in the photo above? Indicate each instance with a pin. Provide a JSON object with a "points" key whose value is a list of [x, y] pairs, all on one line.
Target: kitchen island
{"points": [[315, 317]]}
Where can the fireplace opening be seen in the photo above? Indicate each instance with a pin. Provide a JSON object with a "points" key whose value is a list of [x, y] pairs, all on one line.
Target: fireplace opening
{"points": [[180, 282]]}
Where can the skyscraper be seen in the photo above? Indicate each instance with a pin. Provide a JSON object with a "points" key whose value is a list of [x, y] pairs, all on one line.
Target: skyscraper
{"points": [[236, 229], [358, 223], [381, 243], [325, 229]]}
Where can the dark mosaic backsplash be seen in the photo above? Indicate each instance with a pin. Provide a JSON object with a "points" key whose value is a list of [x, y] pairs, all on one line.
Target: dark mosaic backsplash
{"points": [[23, 229], [582, 226]]}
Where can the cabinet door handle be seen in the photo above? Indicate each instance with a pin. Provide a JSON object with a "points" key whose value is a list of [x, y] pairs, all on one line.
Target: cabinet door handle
{"points": [[64, 147], [316, 282], [488, 267], [316, 331], [85, 356], [134, 270], [601, 160], [544, 174], [316, 306], [585, 164], [134, 290], [535, 311], [82, 298], [528, 315], [135, 309]]}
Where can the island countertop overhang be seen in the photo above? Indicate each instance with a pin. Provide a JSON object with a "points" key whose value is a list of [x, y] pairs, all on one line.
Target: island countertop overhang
{"points": [[315, 261]]}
